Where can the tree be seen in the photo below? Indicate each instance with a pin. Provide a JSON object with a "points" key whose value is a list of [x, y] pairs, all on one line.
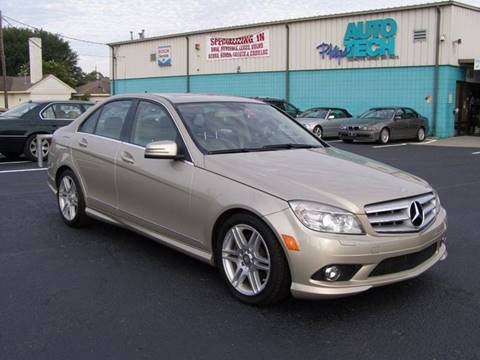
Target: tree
{"points": [[58, 58]]}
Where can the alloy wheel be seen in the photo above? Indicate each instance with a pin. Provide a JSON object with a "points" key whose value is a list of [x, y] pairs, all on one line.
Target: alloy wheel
{"points": [[318, 131], [68, 198], [384, 136], [246, 259], [45, 147], [421, 134]]}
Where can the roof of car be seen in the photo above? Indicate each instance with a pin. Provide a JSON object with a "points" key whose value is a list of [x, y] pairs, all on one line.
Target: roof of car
{"points": [[179, 98], [326, 108], [45, 102]]}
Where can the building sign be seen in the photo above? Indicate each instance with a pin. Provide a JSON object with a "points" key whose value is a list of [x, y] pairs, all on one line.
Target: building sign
{"points": [[370, 39], [246, 46], [164, 56]]}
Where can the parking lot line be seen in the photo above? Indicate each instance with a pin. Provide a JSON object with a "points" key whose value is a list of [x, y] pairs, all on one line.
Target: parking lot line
{"points": [[476, 153], [385, 146], [425, 142], [22, 170], [15, 162]]}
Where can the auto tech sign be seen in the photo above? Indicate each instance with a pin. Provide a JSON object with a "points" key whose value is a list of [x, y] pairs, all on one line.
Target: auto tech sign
{"points": [[251, 45]]}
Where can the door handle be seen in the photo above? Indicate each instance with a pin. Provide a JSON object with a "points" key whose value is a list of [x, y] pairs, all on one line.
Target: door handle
{"points": [[127, 157], [83, 142]]}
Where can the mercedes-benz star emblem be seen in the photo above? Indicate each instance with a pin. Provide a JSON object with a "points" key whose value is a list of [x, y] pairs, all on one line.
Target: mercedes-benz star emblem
{"points": [[416, 214]]}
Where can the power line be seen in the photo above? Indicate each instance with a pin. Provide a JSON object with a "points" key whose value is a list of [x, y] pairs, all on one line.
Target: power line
{"points": [[6, 18]]}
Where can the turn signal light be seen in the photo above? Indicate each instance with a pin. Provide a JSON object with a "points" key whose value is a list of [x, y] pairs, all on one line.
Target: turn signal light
{"points": [[290, 242]]}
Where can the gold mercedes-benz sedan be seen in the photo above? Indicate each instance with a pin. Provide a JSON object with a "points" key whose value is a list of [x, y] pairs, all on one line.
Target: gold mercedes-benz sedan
{"points": [[238, 184]]}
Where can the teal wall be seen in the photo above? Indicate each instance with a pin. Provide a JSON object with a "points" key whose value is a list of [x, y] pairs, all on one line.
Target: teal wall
{"points": [[353, 89]]}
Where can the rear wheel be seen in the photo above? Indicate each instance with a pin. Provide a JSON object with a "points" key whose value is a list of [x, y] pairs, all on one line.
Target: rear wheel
{"points": [[71, 202], [30, 150], [252, 261], [318, 131], [384, 136], [420, 135]]}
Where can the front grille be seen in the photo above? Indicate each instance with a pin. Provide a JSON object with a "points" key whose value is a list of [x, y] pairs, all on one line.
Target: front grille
{"points": [[395, 216], [404, 262], [353, 128]]}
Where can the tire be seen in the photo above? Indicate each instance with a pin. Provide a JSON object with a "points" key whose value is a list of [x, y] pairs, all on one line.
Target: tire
{"points": [[348, 141], [384, 136], [71, 201], [30, 148], [317, 131], [271, 277], [420, 135], [11, 155]]}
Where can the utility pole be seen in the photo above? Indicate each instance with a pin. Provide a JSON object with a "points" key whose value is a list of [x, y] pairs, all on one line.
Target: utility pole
{"points": [[4, 69]]}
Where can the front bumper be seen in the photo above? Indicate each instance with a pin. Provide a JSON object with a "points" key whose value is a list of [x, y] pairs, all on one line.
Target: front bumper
{"points": [[321, 249], [359, 135]]}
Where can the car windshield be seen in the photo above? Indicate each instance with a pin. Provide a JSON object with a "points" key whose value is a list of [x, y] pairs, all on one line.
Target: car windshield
{"points": [[378, 113], [19, 110], [222, 127], [314, 113]]}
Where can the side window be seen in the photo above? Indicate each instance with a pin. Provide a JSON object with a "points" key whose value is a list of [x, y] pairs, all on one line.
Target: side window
{"points": [[410, 114], [290, 108], [88, 126], [62, 111], [338, 114], [152, 123], [112, 118], [48, 113], [401, 113]]}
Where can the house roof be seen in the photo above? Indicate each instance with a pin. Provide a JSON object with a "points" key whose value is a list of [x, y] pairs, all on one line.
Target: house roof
{"points": [[17, 83], [101, 86], [23, 83]]}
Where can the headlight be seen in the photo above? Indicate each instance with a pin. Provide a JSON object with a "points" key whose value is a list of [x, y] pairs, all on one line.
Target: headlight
{"points": [[324, 218], [310, 126]]}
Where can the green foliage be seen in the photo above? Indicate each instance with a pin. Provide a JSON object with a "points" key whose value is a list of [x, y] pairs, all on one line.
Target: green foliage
{"points": [[58, 58]]}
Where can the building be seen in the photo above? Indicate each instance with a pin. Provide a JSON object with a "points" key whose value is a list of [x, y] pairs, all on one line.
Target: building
{"points": [[96, 90], [36, 86], [418, 56]]}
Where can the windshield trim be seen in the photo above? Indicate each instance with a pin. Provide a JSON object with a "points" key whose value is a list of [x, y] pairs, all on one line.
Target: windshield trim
{"points": [[206, 152]]}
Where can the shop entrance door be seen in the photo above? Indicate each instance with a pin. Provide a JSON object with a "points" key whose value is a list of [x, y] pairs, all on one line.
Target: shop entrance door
{"points": [[466, 91]]}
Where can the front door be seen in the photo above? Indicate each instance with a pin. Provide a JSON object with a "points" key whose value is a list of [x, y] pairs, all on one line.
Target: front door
{"points": [[154, 193]]}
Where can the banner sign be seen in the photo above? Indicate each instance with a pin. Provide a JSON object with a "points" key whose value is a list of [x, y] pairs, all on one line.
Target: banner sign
{"points": [[246, 46], [164, 56], [371, 39]]}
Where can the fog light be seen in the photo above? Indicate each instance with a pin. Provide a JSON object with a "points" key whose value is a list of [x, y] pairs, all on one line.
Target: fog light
{"points": [[332, 273]]}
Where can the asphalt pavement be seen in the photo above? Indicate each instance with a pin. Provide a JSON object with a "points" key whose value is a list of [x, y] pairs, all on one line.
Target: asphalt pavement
{"points": [[106, 293]]}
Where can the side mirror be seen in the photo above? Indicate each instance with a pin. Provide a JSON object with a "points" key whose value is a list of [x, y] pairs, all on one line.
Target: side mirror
{"points": [[330, 117], [163, 150], [398, 117]]}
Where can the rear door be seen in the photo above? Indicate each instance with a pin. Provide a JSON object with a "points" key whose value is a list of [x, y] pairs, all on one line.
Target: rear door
{"points": [[155, 193], [94, 150], [57, 115], [414, 122]]}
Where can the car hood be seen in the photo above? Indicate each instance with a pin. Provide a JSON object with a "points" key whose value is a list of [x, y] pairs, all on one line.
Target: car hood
{"points": [[308, 120], [330, 176]]}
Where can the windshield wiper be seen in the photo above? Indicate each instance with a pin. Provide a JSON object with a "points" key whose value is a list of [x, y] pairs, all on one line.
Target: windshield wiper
{"points": [[230, 151], [289, 146]]}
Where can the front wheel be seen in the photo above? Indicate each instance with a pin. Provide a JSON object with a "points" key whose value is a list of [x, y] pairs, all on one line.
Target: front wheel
{"points": [[318, 131], [251, 260], [30, 150], [384, 136], [420, 135]]}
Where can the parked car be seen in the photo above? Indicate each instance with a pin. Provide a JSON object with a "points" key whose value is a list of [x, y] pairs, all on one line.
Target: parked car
{"points": [[281, 104], [384, 124], [20, 125], [237, 184], [324, 121]]}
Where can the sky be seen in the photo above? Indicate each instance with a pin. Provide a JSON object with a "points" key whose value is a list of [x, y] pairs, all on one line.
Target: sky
{"points": [[106, 21]]}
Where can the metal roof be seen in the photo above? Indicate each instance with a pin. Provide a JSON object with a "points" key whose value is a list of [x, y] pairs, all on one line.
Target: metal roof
{"points": [[295, 20]]}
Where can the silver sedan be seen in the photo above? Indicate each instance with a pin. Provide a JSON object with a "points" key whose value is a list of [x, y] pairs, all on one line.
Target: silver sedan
{"points": [[324, 121]]}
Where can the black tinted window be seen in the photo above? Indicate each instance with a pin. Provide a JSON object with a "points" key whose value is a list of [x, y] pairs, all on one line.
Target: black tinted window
{"points": [[152, 123], [112, 118]]}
